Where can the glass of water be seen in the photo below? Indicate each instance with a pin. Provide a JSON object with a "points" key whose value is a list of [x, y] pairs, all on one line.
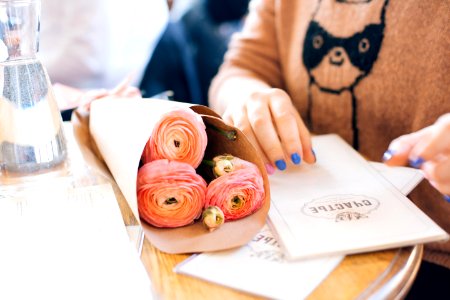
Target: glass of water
{"points": [[31, 134]]}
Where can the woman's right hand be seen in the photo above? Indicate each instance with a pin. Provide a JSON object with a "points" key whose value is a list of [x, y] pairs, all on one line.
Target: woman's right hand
{"points": [[273, 125]]}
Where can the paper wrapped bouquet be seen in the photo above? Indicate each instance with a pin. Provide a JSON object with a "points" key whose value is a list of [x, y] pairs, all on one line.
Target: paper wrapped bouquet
{"points": [[175, 162]]}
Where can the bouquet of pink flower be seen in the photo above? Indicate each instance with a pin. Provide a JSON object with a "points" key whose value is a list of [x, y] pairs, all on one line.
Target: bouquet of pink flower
{"points": [[154, 150]]}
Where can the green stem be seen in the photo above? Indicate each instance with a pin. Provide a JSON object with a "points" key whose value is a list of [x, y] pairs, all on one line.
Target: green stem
{"points": [[209, 163], [229, 134]]}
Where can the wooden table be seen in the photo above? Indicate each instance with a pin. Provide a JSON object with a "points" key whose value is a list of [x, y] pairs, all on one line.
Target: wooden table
{"points": [[381, 275]]}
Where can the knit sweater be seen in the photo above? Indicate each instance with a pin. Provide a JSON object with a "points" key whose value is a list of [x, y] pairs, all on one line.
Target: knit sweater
{"points": [[369, 70]]}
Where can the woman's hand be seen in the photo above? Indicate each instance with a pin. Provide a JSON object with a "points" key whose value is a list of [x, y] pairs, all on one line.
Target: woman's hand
{"points": [[275, 128], [69, 98], [427, 149]]}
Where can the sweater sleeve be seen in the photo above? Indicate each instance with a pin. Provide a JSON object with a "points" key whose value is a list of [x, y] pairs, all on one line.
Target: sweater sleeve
{"points": [[253, 52]]}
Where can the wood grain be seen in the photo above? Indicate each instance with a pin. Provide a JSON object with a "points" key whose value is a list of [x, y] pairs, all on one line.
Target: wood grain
{"points": [[356, 274]]}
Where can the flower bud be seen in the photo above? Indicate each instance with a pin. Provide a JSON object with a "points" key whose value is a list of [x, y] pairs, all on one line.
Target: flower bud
{"points": [[223, 164], [213, 217]]}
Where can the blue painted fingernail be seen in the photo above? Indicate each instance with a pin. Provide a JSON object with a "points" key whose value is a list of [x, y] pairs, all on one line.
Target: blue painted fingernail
{"points": [[388, 155], [416, 163], [314, 153], [281, 164], [447, 198], [296, 159]]}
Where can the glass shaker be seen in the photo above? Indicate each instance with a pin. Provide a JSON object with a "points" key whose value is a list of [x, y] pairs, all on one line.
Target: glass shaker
{"points": [[31, 134]]}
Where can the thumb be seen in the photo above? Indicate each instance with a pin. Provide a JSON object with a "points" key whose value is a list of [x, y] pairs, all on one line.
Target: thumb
{"points": [[399, 149]]}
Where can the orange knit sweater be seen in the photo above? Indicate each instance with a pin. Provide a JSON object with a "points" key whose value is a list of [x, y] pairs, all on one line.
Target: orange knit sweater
{"points": [[369, 70]]}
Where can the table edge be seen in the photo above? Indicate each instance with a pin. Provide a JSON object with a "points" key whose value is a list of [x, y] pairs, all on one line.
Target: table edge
{"points": [[388, 286]]}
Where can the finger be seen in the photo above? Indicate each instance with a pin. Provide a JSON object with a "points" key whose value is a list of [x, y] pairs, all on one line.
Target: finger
{"points": [[286, 125], [121, 87], [241, 122], [400, 148], [95, 94], [305, 138], [438, 173], [438, 142], [260, 119], [253, 140], [131, 92], [245, 128], [92, 95]]}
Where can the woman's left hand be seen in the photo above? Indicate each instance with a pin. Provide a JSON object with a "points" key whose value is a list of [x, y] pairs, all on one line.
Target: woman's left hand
{"points": [[427, 149], [69, 98]]}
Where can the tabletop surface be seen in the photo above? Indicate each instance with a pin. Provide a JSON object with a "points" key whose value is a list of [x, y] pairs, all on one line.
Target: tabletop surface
{"points": [[382, 275]]}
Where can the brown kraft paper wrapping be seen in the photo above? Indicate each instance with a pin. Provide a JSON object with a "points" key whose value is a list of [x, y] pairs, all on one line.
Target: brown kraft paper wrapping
{"points": [[118, 131]]}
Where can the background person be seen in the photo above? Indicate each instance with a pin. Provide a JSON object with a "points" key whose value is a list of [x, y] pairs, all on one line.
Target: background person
{"points": [[192, 47]]}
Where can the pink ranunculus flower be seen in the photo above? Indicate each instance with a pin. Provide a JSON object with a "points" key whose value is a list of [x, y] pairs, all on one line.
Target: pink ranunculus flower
{"points": [[238, 193], [179, 135], [170, 193]]}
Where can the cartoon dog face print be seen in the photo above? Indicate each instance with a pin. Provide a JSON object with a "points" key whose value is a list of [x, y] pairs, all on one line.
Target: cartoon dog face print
{"points": [[342, 42]]}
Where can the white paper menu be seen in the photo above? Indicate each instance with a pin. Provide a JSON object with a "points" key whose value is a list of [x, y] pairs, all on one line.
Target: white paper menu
{"points": [[59, 242], [405, 179], [260, 268], [341, 205]]}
